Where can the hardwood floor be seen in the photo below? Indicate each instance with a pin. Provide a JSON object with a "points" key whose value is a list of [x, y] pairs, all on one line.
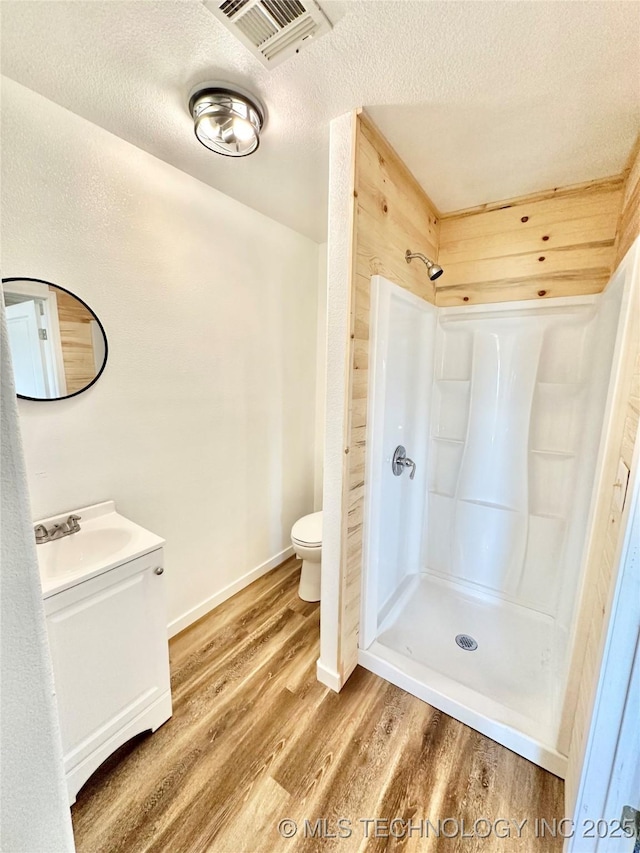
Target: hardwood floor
{"points": [[255, 739]]}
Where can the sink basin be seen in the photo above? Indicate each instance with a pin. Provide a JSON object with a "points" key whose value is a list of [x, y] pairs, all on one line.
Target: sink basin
{"points": [[85, 547], [106, 539]]}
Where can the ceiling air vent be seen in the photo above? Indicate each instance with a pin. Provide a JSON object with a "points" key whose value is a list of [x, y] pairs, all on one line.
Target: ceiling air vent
{"points": [[271, 29]]}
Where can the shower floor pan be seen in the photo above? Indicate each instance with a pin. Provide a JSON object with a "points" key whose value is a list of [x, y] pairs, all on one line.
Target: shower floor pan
{"points": [[506, 688]]}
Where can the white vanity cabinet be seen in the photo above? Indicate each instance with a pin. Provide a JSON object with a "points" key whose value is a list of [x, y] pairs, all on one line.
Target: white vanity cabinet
{"points": [[108, 640]]}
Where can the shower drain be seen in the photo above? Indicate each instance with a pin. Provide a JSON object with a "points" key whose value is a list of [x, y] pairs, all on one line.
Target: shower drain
{"points": [[466, 642]]}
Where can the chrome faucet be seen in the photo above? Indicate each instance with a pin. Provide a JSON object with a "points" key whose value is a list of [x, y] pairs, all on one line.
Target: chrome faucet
{"points": [[42, 534], [57, 531], [72, 521]]}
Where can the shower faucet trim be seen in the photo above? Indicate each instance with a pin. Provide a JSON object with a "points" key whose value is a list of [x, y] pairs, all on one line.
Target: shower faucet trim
{"points": [[401, 461]]}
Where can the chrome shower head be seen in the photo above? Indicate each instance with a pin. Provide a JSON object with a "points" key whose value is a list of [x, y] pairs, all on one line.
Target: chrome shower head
{"points": [[433, 270]]}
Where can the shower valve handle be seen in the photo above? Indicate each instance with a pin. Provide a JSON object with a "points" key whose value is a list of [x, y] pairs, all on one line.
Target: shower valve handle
{"points": [[401, 461]]}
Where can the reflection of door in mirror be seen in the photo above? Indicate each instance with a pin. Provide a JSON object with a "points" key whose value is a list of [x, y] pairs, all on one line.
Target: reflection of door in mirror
{"points": [[34, 335], [27, 349]]}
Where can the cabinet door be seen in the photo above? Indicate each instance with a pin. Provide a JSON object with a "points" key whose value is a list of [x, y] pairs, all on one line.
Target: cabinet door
{"points": [[108, 639]]}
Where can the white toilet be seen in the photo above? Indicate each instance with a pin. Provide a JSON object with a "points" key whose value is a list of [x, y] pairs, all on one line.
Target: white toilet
{"points": [[306, 538]]}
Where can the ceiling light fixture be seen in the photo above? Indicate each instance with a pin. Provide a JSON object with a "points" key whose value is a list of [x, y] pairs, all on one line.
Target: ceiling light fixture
{"points": [[226, 119]]}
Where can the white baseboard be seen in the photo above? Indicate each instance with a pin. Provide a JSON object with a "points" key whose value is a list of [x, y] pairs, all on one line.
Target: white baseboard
{"points": [[174, 627], [328, 677]]}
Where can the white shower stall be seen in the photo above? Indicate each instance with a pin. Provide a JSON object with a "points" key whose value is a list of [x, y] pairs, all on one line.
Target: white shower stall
{"points": [[473, 569]]}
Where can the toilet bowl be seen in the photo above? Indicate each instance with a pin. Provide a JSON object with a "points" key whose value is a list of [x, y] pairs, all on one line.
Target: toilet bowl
{"points": [[306, 538]]}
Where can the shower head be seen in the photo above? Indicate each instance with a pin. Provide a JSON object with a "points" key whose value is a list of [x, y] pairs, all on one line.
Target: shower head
{"points": [[433, 270]]}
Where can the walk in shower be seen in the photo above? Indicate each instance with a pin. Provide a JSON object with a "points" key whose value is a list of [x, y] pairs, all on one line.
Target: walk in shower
{"points": [[473, 568]]}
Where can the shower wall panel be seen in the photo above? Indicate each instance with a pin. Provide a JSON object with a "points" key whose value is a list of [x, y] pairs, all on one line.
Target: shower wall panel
{"points": [[510, 430], [403, 331]]}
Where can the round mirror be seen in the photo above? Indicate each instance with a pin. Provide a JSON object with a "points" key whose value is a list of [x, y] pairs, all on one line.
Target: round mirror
{"points": [[58, 345]]}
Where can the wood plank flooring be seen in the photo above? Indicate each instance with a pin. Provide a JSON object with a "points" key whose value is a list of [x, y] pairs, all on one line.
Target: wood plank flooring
{"points": [[255, 739]]}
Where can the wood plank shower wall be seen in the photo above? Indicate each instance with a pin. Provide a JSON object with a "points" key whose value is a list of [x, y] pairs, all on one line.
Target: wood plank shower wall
{"points": [[558, 243], [490, 254], [609, 530], [391, 214]]}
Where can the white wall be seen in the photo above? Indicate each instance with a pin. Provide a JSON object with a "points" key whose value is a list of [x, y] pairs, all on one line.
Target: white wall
{"points": [[34, 810], [202, 426]]}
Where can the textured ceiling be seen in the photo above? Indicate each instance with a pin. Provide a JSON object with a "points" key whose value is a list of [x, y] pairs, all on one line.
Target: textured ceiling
{"points": [[483, 100]]}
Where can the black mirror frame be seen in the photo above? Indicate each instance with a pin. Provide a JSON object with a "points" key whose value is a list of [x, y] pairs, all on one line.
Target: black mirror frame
{"points": [[96, 318]]}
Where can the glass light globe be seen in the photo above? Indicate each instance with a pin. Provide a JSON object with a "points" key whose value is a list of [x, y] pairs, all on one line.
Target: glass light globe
{"points": [[225, 121]]}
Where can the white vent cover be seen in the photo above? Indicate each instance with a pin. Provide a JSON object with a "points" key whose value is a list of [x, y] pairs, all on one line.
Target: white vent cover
{"points": [[271, 29]]}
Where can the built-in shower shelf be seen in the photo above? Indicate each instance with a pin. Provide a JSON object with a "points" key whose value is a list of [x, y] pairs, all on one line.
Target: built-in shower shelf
{"points": [[490, 505], [487, 504], [448, 440], [453, 381], [440, 494], [560, 454], [450, 497], [564, 386], [548, 515]]}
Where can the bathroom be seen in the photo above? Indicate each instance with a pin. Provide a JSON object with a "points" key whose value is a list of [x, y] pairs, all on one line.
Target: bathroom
{"points": [[239, 312]]}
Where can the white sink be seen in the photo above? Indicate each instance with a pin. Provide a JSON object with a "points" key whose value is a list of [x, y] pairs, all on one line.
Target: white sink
{"points": [[106, 539]]}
